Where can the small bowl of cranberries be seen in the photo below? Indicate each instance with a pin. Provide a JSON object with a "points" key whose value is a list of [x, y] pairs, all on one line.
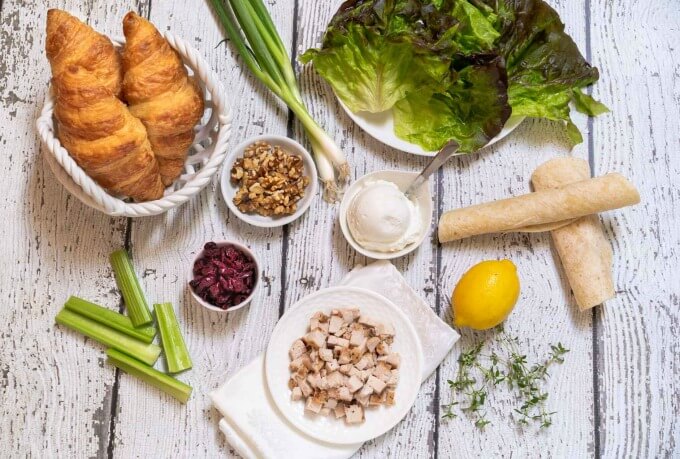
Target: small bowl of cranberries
{"points": [[224, 276]]}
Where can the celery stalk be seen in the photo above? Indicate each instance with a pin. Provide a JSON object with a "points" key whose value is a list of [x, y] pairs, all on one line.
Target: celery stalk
{"points": [[147, 353], [127, 281], [148, 374], [110, 318], [174, 348]]}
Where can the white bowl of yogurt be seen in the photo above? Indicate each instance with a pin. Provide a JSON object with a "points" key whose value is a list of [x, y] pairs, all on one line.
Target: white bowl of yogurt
{"points": [[379, 221]]}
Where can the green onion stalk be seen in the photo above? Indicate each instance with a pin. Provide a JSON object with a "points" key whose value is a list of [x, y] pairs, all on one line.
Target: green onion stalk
{"points": [[251, 30]]}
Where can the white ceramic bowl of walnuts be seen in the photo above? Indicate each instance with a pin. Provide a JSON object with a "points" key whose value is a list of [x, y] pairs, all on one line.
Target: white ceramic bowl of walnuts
{"points": [[269, 203]]}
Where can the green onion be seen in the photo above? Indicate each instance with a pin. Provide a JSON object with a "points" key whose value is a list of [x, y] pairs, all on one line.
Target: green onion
{"points": [[148, 374], [110, 318], [252, 32], [147, 353], [176, 354], [127, 281]]}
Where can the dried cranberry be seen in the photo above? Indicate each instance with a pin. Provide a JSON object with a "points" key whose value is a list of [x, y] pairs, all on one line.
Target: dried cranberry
{"points": [[223, 276]]}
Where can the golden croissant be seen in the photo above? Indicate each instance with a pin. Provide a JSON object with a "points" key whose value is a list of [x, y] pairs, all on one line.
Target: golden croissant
{"points": [[160, 93], [71, 42], [103, 137], [96, 128]]}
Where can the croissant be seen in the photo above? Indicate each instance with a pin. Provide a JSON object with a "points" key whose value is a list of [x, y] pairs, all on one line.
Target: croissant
{"points": [[160, 93], [71, 42], [103, 137]]}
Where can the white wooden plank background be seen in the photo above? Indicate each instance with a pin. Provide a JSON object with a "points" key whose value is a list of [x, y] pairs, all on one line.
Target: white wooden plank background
{"points": [[617, 395]]}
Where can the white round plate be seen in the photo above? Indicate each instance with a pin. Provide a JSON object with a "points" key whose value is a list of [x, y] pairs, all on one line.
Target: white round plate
{"points": [[295, 323], [380, 126]]}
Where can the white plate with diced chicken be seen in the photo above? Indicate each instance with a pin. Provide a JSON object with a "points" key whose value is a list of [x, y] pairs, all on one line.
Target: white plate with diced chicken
{"points": [[343, 365]]}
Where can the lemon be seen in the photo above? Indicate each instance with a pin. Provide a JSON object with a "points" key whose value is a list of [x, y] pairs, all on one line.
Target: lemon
{"points": [[485, 295]]}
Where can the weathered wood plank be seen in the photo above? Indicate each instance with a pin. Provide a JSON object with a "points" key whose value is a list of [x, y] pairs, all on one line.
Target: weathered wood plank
{"points": [[319, 255], [546, 312], [220, 344], [637, 45], [55, 391]]}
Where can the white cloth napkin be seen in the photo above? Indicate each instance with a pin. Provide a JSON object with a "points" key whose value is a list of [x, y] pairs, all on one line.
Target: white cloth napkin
{"points": [[253, 425]]}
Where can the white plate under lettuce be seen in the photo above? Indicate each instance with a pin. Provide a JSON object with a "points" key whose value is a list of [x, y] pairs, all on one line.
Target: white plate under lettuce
{"points": [[295, 323], [380, 126]]}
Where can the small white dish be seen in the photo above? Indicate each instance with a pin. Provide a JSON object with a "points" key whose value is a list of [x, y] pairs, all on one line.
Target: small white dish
{"points": [[295, 323], [402, 179], [229, 189], [380, 126], [245, 250]]}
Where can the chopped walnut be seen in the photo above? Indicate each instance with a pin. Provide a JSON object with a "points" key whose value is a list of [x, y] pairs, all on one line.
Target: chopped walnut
{"points": [[271, 181]]}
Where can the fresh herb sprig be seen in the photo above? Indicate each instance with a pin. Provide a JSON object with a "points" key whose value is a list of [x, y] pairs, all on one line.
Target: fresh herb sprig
{"points": [[480, 372]]}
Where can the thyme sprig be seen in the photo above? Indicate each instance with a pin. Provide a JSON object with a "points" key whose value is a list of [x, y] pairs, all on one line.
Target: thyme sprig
{"points": [[479, 372]]}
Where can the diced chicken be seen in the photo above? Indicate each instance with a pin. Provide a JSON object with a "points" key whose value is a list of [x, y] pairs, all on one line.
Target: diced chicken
{"points": [[365, 374], [365, 391], [335, 341], [301, 373], [355, 354], [382, 348], [315, 338], [331, 403], [296, 394], [292, 384], [366, 361], [394, 378], [314, 380], [349, 314], [362, 399], [344, 394], [382, 371], [305, 388], [354, 384], [297, 349], [326, 354], [339, 411], [335, 324], [332, 365], [346, 369], [375, 400], [358, 338], [312, 405], [314, 356], [325, 411], [368, 321], [384, 329], [372, 343], [354, 414], [345, 356], [389, 397], [323, 383], [393, 359], [378, 385], [318, 365], [335, 379]]}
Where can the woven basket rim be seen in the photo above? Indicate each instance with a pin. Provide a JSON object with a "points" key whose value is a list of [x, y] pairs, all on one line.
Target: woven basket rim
{"points": [[93, 195]]}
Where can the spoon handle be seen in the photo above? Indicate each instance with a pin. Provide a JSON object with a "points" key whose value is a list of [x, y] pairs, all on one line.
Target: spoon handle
{"points": [[438, 161]]}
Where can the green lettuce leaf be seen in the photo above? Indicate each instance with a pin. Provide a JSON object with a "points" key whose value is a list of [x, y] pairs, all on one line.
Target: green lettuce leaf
{"points": [[374, 53], [472, 111], [545, 68]]}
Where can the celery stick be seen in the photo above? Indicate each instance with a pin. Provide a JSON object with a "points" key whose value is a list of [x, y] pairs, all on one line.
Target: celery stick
{"points": [[147, 353], [127, 281], [174, 348], [148, 374], [110, 318]]}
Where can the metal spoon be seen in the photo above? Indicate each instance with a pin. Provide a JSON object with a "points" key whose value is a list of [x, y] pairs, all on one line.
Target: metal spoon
{"points": [[438, 161]]}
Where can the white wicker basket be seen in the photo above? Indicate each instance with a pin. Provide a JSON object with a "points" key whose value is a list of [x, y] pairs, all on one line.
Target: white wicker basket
{"points": [[204, 159]]}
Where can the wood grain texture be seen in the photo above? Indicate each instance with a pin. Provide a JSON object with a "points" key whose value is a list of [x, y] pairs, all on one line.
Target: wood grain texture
{"points": [[220, 344], [617, 394], [319, 256], [54, 389], [546, 312], [637, 44]]}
